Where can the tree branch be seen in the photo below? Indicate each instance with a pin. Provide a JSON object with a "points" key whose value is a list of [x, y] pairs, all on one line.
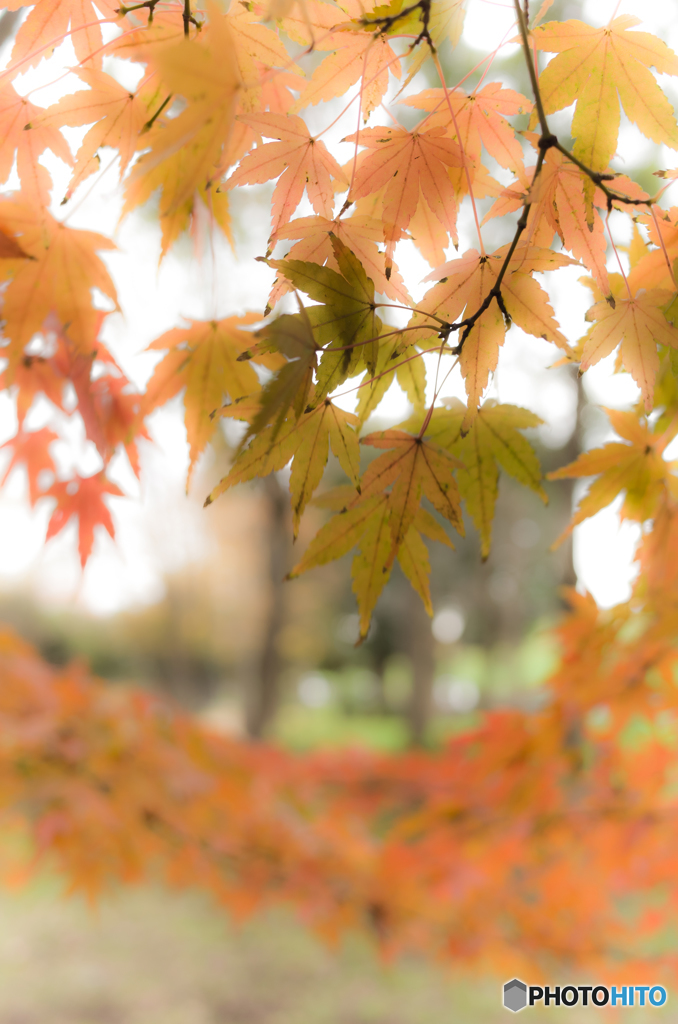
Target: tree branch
{"points": [[387, 22]]}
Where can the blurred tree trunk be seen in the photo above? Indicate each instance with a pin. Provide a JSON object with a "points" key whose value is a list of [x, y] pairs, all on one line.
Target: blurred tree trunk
{"points": [[9, 21], [420, 648], [263, 690], [569, 453]]}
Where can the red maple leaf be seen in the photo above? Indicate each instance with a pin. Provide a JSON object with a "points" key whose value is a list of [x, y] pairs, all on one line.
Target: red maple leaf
{"points": [[82, 497]]}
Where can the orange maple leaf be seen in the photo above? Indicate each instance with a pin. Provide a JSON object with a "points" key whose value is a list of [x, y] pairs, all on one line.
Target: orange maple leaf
{"points": [[652, 269], [465, 284], [31, 376], [358, 56], [82, 497], [116, 115], [403, 162], [299, 161], [49, 21], [557, 205], [59, 277], [639, 324], [108, 404], [17, 115], [480, 121], [31, 449]]}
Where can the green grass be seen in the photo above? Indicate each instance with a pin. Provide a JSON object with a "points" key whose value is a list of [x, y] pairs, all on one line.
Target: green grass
{"points": [[301, 728]]}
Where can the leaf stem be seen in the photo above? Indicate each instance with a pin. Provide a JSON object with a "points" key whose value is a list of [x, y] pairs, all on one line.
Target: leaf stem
{"points": [[363, 384], [412, 309], [661, 241], [149, 124], [469, 180], [616, 252]]}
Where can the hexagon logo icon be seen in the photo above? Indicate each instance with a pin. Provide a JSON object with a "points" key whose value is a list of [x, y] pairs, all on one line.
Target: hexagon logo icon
{"points": [[515, 995]]}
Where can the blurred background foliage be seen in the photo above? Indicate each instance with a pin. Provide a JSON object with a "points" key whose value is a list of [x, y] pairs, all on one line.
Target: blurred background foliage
{"points": [[202, 644]]}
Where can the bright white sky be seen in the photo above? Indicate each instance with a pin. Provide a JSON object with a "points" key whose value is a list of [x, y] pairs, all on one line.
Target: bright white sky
{"points": [[160, 529]]}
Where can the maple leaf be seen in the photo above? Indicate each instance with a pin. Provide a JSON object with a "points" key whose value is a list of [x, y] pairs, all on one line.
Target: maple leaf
{"points": [[59, 277], [359, 233], [409, 372], [31, 376], [492, 441], [186, 150], [372, 564], [445, 21], [404, 162], [16, 117], [108, 404], [219, 73], [10, 248], [306, 441], [293, 337], [82, 497], [255, 45], [597, 68], [480, 120], [358, 56], [203, 360], [366, 521], [48, 22], [413, 466], [413, 554], [639, 324], [558, 206], [298, 160], [465, 284], [205, 204], [634, 465], [651, 270], [346, 322], [119, 115], [31, 449], [332, 426]]}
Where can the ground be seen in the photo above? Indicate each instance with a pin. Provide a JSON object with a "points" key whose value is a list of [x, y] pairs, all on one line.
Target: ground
{"points": [[147, 956]]}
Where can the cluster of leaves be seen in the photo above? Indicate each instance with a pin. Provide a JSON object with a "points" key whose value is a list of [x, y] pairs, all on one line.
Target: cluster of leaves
{"points": [[218, 108], [527, 814], [531, 836]]}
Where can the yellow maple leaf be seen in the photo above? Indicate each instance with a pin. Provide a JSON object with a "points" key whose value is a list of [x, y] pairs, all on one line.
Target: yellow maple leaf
{"points": [[634, 465], [494, 440], [596, 68], [306, 441], [203, 359]]}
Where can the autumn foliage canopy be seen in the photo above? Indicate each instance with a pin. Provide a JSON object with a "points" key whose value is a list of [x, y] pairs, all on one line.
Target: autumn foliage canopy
{"points": [[544, 833]]}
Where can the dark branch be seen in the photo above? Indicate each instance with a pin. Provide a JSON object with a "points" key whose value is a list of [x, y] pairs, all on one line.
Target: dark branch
{"points": [[387, 22]]}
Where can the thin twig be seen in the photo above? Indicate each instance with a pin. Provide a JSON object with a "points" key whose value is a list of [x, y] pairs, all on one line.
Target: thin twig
{"points": [[149, 124]]}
